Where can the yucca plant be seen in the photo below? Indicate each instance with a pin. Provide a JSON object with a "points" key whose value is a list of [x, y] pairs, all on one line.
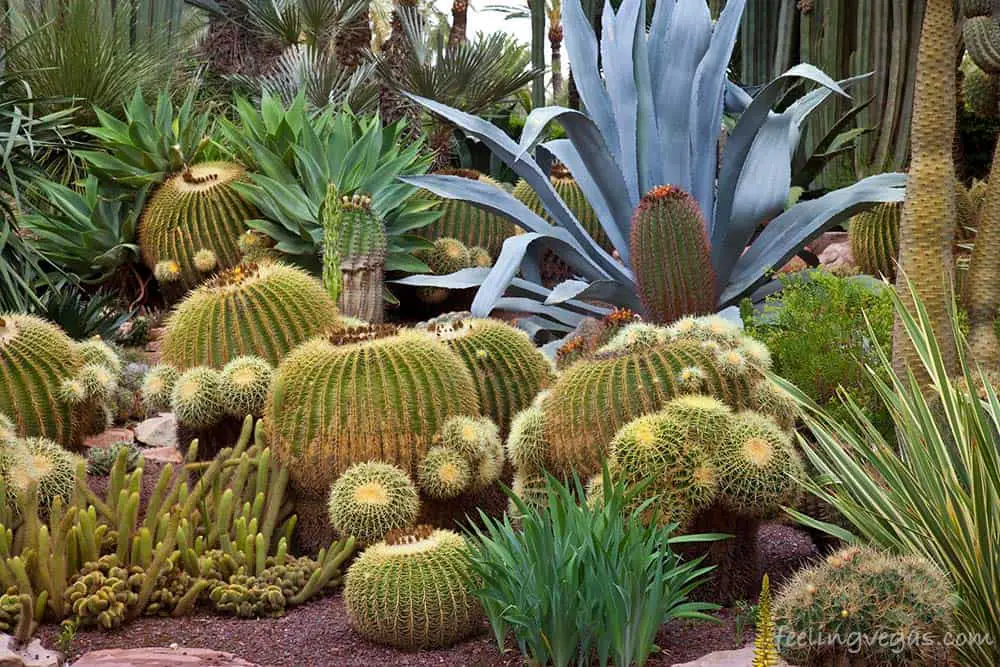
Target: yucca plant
{"points": [[934, 489], [654, 116], [357, 155], [577, 582], [84, 232]]}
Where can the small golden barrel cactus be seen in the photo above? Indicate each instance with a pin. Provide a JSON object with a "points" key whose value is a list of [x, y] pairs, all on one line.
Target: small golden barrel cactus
{"points": [[526, 447], [370, 499], [507, 368], [263, 310], [444, 473], [243, 386], [414, 590], [191, 212], [469, 224], [369, 393], [42, 462]]}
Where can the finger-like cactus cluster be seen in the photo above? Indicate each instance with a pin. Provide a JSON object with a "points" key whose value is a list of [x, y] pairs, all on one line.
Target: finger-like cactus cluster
{"points": [[881, 601], [469, 224], [413, 590], [370, 499], [192, 218], [363, 394], [103, 592], [262, 310]]}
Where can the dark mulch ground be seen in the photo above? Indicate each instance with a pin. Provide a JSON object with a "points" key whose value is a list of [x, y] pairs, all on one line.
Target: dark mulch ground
{"points": [[317, 633]]}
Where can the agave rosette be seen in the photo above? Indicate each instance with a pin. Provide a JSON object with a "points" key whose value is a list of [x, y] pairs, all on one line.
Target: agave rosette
{"points": [[662, 95]]}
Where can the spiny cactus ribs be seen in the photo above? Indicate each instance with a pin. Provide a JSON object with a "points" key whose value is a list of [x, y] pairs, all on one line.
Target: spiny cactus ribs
{"points": [[671, 256], [409, 535], [471, 225], [193, 211], [361, 334]]}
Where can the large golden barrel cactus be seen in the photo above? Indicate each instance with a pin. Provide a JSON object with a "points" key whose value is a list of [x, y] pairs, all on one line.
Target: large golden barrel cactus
{"points": [[596, 396], [38, 365], [263, 310], [368, 393], [195, 212], [469, 224], [507, 368]]}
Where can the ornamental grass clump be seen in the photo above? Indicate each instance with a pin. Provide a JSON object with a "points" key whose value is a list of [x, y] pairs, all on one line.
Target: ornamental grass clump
{"points": [[579, 582]]}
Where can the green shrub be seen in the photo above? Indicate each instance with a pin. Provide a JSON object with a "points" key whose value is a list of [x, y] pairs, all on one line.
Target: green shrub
{"points": [[932, 490], [816, 332], [578, 581]]}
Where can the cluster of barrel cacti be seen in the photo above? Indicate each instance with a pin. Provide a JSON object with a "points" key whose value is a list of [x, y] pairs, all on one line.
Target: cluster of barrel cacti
{"points": [[51, 386], [214, 533], [470, 225], [687, 407], [448, 255]]}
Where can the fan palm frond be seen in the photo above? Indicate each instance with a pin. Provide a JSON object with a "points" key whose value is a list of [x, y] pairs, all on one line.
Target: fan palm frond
{"points": [[316, 74]]}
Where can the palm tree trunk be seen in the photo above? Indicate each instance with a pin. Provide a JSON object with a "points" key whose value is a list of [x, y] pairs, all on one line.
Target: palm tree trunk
{"points": [[353, 40], [459, 22], [928, 223], [392, 105], [555, 44]]}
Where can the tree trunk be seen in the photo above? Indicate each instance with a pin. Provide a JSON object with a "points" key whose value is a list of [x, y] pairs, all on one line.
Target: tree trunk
{"points": [[392, 105], [555, 44], [459, 22], [928, 224], [353, 40]]}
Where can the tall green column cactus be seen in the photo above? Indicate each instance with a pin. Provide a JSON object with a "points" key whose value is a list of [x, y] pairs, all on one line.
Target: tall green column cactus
{"points": [[928, 225], [982, 37], [355, 236], [668, 223]]}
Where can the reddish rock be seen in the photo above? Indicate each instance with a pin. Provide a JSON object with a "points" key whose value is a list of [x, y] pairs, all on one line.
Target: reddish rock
{"points": [[110, 437], [793, 265], [162, 455], [161, 657]]}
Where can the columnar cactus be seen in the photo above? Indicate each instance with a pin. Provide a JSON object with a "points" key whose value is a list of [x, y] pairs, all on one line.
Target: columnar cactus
{"points": [[370, 393], [370, 499], [668, 223], [982, 34], [979, 90], [864, 594], [507, 368], [40, 390], [595, 397], [414, 590], [354, 236], [927, 227], [192, 212], [263, 310], [469, 224]]}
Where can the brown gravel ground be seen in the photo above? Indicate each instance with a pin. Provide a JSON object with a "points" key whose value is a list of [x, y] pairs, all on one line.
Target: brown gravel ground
{"points": [[317, 633]]}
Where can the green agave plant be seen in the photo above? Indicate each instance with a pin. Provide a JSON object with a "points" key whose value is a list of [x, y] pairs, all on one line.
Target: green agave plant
{"points": [[304, 153], [655, 108], [85, 233], [933, 490]]}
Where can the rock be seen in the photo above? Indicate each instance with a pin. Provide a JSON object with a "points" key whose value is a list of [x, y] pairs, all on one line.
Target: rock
{"points": [[162, 455], [161, 657], [738, 658], [158, 431], [33, 655], [836, 254], [110, 437]]}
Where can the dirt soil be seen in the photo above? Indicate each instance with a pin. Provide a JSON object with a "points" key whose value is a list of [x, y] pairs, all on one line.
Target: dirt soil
{"points": [[317, 634]]}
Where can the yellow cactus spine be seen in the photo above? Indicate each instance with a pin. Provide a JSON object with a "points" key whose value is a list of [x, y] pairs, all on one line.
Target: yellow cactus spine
{"points": [[928, 224]]}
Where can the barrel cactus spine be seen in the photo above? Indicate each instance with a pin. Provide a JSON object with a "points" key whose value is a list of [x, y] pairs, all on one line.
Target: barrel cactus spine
{"points": [[194, 211], [469, 224], [413, 590], [263, 310], [671, 256], [507, 368], [370, 499], [370, 393]]}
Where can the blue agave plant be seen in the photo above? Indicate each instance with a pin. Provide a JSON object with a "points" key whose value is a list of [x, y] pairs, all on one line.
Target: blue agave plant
{"points": [[654, 113]]}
